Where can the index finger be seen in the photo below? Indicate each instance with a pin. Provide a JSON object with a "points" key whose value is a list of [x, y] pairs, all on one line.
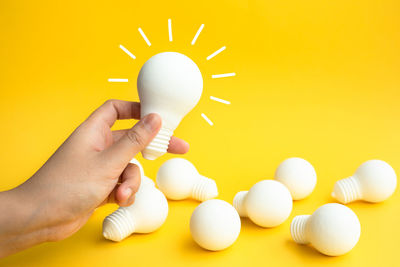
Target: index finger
{"points": [[113, 110]]}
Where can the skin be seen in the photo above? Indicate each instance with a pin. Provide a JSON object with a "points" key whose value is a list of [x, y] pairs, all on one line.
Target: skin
{"points": [[89, 169]]}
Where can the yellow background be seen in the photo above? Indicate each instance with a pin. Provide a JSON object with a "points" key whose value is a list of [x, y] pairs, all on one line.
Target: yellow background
{"points": [[315, 79]]}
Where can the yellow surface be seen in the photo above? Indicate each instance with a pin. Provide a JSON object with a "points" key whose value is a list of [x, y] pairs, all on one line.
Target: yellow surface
{"points": [[315, 79]]}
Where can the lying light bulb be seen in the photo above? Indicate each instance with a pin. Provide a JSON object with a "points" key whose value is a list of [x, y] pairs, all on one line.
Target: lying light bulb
{"points": [[268, 203], [169, 84], [298, 175], [178, 179], [145, 215], [215, 225], [333, 229], [373, 181]]}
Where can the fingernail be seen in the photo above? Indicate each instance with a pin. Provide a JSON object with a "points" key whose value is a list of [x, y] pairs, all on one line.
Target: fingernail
{"points": [[131, 200], [128, 192], [152, 122]]}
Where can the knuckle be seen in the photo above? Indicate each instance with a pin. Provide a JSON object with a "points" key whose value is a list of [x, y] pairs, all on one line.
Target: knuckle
{"points": [[109, 102], [135, 138]]}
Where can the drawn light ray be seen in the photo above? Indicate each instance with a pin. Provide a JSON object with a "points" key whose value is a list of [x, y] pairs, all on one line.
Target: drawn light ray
{"points": [[197, 34], [169, 30], [215, 76], [220, 100], [216, 52], [117, 80], [207, 119], [127, 51], [144, 37]]}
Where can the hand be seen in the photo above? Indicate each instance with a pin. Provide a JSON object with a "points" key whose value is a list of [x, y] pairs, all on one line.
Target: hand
{"points": [[91, 168]]}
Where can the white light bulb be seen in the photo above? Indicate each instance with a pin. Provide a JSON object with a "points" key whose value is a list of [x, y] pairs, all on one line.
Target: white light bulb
{"points": [[215, 225], [145, 215], [373, 181], [178, 179], [268, 203], [298, 175], [333, 229], [169, 84]]}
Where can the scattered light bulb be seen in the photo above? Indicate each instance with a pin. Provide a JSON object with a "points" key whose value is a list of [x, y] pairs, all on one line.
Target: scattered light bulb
{"points": [[169, 84], [178, 179], [268, 203], [373, 181], [298, 175], [215, 225], [333, 229], [145, 215]]}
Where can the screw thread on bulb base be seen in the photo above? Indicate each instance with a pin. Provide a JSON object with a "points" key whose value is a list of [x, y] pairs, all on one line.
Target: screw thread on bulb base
{"points": [[238, 203], [159, 145], [347, 190], [118, 225], [204, 189], [298, 229]]}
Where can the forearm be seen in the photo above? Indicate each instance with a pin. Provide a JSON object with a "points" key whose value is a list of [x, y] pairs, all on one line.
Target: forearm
{"points": [[20, 227]]}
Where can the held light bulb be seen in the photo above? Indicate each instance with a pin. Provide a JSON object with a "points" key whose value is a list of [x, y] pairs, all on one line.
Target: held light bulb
{"points": [[215, 225], [178, 179], [298, 175], [169, 84], [145, 215], [333, 229], [373, 181], [268, 203]]}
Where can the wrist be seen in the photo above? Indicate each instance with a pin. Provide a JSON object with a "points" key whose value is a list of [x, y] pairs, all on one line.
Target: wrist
{"points": [[20, 222]]}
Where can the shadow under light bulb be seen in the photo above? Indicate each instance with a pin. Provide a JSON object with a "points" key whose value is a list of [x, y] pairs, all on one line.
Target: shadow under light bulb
{"points": [[169, 84], [374, 181]]}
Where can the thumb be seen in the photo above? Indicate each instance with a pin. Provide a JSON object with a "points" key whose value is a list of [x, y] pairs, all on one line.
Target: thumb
{"points": [[134, 141]]}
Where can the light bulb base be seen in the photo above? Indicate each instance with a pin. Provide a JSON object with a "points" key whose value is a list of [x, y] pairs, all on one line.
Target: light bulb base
{"points": [[347, 190], [204, 189], [238, 203], [118, 225], [298, 229], [159, 145]]}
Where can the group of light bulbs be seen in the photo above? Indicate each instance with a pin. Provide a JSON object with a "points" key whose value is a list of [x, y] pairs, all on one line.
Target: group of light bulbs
{"points": [[333, 229], [171, 84]]}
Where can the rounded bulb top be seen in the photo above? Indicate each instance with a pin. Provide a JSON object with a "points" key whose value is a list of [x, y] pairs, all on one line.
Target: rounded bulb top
{"points": [[215, 225], [171, 85], [298, 175], [333, 229], [149, 211], [268, 203], [176, 178], [377, 180]]}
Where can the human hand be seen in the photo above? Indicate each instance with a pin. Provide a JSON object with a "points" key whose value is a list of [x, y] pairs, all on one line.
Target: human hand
{"points": [[89, 169]]}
